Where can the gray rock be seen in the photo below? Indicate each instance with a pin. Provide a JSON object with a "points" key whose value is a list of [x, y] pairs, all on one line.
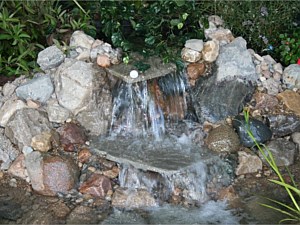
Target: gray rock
{"points": [[10, 210], [74, 84], [283, 151], [235, 62], [8, 109], [25, 124], [268, 59], [296, 139], [7, 152], [57, 113], [38, 89], [80, 39], [51, 174], [260, 131], [8, 89], [96, 117], [83, 215], [273, 87], [223, 139], [283, 125], [50, 58], [194, 44], [291, 76], [214, 102]]}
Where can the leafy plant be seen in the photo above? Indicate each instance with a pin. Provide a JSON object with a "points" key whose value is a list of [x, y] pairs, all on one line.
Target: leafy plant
{"points": [[289, 49], [291, 211]]}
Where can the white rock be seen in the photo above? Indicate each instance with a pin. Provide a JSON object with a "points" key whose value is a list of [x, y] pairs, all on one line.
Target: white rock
{"points": [[80, 39], [258, 57], [134, 74], [8, 89], [210, 51], [248, 163], [194, 44], [190, 55]]}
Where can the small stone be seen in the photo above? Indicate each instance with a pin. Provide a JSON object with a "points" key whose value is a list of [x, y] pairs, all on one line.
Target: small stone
{"points": [[291, 100], [8, 89], [283, 124], [221, 35], [92, 169], [26, 150], [291, 76], [84, 155], [97, 185], [296, 139], [190, 55], [194, 44], [264, 66], [272, 86], [210, 51], [42, 142], [50, 58], [266, 73], [216, 20], [103, 61], [277, 76], [248, 163], [8, 109], [13, 182], [278, 68], [269, 59], [80, 39], [32, 104], [195, 70], [223, 139], [113, 173], [18, 168], [258, 57], [265, 101]]}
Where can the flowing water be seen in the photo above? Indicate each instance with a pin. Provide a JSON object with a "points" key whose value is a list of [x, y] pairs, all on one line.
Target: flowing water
{"points": [[159, 149]]}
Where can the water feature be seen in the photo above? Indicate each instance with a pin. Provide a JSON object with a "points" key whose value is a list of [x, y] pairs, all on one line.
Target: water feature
{"points": [[157, 147]]}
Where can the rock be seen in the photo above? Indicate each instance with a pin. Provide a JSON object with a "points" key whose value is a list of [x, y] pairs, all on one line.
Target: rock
{"points": [[33, 104], [291, 76], [194, 44], [269, 60], [223, 36], [277, 76], [103, 61], [7, 152], [283, 151], [96, 117], [80, 39], [71, 134], [296, 139], [42, 142], [25, 124], [258, 57], [291, 100], [50, 58], [278, 68], [83, 215], [97, 185], [248, 163], [190, 55], [216, 20], [113, 173], [223, 139], [56, 113], [195, 70], [18, 168], [133, 198], [38, 89], [8, 89], [10, 210], [84, 155], [260, 131], [273, 87], [265, 101], [210, 51], [235, 62], [105, 49], [8, 109], [49, 174], [283, 125], [216, 101], [74, 84], [82, 54]]}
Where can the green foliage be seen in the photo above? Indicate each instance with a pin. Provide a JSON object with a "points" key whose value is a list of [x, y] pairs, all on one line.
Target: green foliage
{"points": [[289, 49], [25, 27], [291, 211]]}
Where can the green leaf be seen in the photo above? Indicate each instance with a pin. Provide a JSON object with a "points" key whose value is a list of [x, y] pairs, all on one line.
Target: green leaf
{"points": [[180, 3], [184, 16], [174, 22], [179, 26], [150, 40], [5, 37]]}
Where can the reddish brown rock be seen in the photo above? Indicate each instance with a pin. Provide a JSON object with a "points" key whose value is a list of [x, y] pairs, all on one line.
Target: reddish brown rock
{"points": [[97, 185], [18, 168], [51, 174], [84, 155], [113, 173], [291, 100], [195, 70], [70, 134], [265, 101], [103, 61]]}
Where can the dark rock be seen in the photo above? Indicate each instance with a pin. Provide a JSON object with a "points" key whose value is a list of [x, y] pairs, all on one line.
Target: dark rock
{"points": [[260, 131], [214, 102], [10, 210], [71, 134], [282, 125], [283, 151]]}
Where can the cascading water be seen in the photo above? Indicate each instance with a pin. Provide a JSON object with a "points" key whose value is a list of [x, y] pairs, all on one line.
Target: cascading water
{"points": [[156, 148]]}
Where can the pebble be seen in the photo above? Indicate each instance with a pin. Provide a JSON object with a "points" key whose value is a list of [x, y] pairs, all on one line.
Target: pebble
{"points": [[1, 174], [13, 182]]}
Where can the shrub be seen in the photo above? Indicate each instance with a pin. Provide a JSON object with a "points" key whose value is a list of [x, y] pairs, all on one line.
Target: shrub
{"points": [[289, 50]]}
